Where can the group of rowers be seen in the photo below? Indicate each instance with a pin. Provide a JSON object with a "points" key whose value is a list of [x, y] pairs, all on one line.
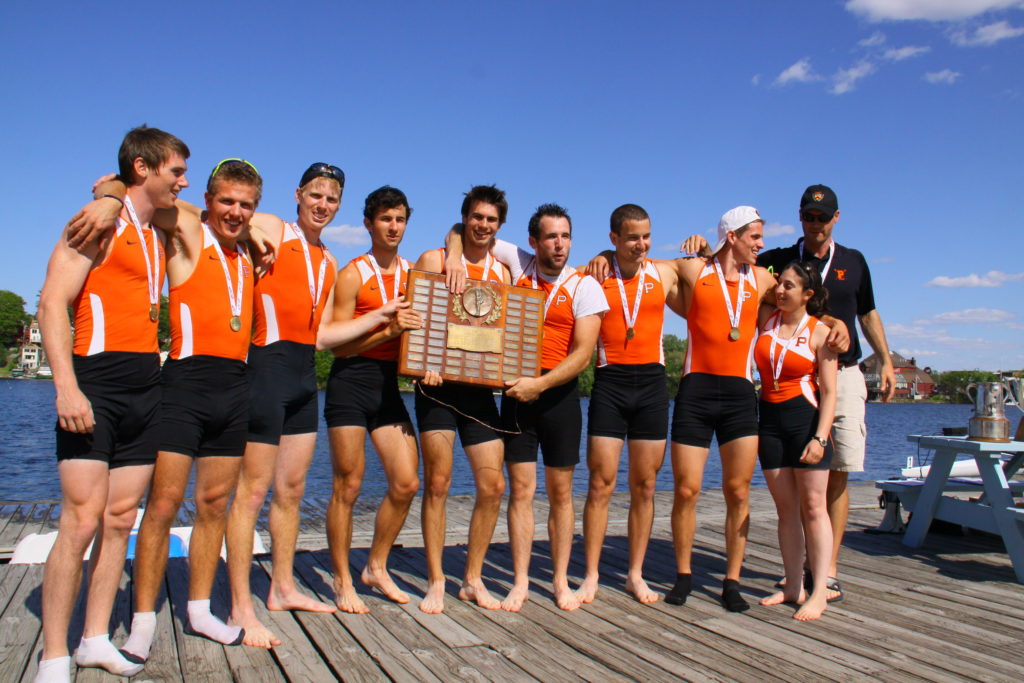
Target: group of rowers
{"points": [[252, 296]]}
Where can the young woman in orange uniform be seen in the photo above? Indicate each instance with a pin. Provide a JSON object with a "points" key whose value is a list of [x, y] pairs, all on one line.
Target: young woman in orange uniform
{"points": [[798, 400]]}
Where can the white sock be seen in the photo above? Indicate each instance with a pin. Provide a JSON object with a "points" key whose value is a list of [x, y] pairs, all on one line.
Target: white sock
{"points": [[204, 623], [98, 651], [140, 640], [56, 670]]}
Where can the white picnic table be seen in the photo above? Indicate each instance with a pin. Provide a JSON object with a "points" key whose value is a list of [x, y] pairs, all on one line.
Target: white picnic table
{"points": [[994, 511]]}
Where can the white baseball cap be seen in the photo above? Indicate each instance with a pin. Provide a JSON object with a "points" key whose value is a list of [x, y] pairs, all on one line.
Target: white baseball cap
{"points": [[732, 220]]}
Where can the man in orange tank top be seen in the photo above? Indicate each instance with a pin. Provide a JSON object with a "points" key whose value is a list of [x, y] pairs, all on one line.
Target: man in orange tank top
{"points": [[721, 297], [441, 411], [108, 393], [363, 397], [293, 299], [205, 397], [629, 400]]}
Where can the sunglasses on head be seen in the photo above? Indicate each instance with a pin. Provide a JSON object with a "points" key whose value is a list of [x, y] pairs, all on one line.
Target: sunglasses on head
{"points": [[225, 162], [322, 170], [814, 218]]}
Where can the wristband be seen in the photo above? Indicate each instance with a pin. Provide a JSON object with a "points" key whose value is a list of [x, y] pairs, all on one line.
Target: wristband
{"points": [[112, 196]]}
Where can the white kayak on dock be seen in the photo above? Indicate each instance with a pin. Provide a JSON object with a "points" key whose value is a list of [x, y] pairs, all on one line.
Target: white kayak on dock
{"points": [[961, 468]]}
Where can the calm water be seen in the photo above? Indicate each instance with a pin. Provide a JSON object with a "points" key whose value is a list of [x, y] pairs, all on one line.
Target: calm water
{"points": [[28, 472]]}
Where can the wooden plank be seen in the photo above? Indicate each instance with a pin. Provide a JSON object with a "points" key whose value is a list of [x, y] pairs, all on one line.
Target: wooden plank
{"points": [[162, 664], [21, 624], [14, 531], [246, 663], [386, 650]]}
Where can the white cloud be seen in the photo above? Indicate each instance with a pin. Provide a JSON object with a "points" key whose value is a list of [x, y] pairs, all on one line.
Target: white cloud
{"points": [[929, 10], [898, 54], [756, 80], [946, 76], [918, 353], [990, 34], [845, 80], [993, 278], [799, 72], [347, 235], [776, 229], [900, 331], [874, 40], [973, 316], [884, 259]]}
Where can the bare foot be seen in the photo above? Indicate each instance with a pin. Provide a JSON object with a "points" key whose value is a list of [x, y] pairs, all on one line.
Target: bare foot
{"points": [[347, 600], [475, 591], [433, 601], [256, 634], [381, 580], [782, 597], [641, 591], [566, 598], [587, 591], [513, 602], [279, 600], [811, 609]]}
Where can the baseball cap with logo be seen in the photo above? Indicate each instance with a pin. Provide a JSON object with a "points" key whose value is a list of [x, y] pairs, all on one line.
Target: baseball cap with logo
{"points": [[820, 197], [732, 220]]}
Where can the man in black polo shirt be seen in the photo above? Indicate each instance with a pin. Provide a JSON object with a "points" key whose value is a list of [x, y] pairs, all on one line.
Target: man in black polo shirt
{"points": [[845, 274]]}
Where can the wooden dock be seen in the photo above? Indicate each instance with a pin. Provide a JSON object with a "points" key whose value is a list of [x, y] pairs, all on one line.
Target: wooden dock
{"points": [[950, 610]]}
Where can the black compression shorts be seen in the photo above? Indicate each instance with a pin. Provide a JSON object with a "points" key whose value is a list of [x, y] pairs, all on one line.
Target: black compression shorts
{"points": [[629, 402], [124, 389], [467, 407], [363, 392], [553, 423], [706, 404], [282, 391], [786, 429], [205, 410]]}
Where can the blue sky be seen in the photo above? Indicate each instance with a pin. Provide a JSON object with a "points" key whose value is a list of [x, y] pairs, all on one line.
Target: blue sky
{"points": [[909, 109]]}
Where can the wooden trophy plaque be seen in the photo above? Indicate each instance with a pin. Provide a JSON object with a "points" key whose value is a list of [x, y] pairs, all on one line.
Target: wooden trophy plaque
{"points": [[489, 334]]}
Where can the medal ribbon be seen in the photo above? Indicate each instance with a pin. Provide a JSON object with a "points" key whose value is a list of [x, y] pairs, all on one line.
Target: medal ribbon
{"points": [[777, 367], [487, 266], [314, 292], [828, 264], [734, 315], [380, 277], [234, 297], [152, 268], [630, 319], [554, 287]]}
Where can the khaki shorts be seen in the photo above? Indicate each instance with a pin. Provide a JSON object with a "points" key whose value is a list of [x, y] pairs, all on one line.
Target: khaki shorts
{"points": [[849, 433]]}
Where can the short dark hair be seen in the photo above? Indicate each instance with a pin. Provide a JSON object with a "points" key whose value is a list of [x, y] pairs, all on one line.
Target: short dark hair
{"points": [[235, 171], [488, 194], [810, 278], [627, 212], [152, 145], [384, 198], [553, 210]]}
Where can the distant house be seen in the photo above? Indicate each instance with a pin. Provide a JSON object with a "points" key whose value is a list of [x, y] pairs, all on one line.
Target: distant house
{"points": [[911, 381], [32, 355]]}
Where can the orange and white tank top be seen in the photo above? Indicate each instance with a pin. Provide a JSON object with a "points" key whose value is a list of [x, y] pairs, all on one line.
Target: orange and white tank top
{"points": [[616, 345], [489, 271], [790, 362], [559, 317], [112, 310], [202, 309], [376, 289], [709, 348], [291, 296]]}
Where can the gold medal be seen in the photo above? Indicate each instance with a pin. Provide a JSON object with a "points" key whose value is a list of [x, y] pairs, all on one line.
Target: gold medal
{"points": [[776, 383], [734, 334], [154, 312], [630, 333], [236, 323]]}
